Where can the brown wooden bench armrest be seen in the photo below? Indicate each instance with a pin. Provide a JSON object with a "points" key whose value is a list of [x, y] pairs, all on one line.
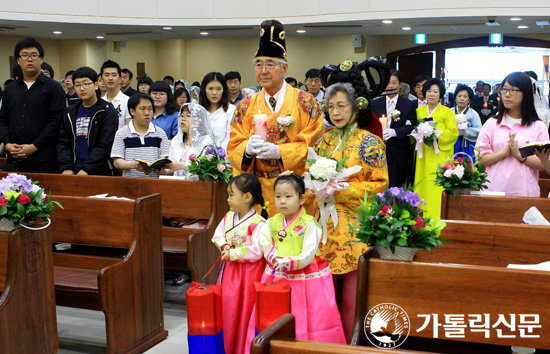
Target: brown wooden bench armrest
{"points": [[283, 328]]}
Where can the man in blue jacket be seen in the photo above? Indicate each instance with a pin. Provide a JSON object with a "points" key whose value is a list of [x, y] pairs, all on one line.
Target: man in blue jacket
{"points": [[87, 130]]}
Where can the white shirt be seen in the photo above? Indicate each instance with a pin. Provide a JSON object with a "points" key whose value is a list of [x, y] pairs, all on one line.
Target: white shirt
{"points": [[320, 96], [388, 100], [220, 122], [121, 105], [279, 96]]}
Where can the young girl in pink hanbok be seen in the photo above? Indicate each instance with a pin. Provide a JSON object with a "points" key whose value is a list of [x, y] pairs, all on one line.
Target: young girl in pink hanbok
{"points": [[238, 238], [290, 243]]}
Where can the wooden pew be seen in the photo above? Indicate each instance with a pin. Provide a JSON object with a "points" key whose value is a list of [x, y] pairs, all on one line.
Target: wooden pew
{"points": [[185, 249], [467, 276], [28, 321], [490, 244], [125, 280], [489, 207], [280, 337]]}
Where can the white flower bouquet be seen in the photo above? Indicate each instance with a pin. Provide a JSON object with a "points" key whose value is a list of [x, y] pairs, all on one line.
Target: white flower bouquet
{"points": [[461, 121], [426, 133], [325, 177]]}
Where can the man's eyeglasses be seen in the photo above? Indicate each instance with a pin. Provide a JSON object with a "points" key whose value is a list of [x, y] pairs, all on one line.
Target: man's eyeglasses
{"points": [[33, 56], [83, 85], [267, 66]]}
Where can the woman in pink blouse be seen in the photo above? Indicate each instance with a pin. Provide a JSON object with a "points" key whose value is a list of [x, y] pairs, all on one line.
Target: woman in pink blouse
{"points": [[515, 125]]}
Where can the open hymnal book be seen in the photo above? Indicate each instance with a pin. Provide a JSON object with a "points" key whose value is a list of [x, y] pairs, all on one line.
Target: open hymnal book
{"points": [[529, 149], [157, 164], [540, 266]]}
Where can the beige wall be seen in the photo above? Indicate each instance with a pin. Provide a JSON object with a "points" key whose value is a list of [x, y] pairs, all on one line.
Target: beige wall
{"points": [[192, 59], [7, 45]]}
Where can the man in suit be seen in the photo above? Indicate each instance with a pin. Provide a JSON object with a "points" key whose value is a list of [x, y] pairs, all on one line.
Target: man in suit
{"points": [[487, 105], [418, 82], [399, 149]]}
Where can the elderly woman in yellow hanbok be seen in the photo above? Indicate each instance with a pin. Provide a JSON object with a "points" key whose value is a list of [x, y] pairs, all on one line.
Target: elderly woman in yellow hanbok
{"points": [[349, 139], [427, 157]]}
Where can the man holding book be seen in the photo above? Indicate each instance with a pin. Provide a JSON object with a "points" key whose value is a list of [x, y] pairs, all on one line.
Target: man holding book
{"points": [[140, 140]]}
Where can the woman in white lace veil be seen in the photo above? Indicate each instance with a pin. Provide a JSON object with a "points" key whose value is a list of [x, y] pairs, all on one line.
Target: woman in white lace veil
{"points": [[194, 133]]}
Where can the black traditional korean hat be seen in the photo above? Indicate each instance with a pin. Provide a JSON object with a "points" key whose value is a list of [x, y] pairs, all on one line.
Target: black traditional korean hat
{"points": [[272, 40]]}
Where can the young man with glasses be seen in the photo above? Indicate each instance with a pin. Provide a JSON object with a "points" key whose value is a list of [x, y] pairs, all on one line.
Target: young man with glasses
{"points": [[110, 75], [87, 130], [293, 119], [31, 113]]}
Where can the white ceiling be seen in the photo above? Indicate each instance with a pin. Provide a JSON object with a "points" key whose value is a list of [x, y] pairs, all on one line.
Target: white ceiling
{"points": [[450, 25]]}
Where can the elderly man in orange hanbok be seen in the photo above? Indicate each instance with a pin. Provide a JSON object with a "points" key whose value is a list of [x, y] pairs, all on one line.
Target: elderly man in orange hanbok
{"points": [[272, 130]]}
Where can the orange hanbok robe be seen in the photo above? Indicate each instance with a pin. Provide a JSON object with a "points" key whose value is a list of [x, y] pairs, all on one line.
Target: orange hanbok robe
{"points": [[293, 141], [342, 250]]}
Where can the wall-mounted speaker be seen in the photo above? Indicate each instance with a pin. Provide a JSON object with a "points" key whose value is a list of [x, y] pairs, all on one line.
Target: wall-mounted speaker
{"points": [[356, 41]]}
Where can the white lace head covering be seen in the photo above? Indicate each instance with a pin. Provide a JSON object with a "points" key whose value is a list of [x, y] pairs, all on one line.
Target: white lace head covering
{"points": [[200, 124], [540, 102], [185, 85]]}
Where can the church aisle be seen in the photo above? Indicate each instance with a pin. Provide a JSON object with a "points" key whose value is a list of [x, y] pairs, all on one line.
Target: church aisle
{"points": [[83, 331]]}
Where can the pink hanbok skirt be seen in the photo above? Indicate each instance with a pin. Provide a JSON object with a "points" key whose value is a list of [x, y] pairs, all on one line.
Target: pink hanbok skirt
{"points": [[238, 297], [312, 303]]}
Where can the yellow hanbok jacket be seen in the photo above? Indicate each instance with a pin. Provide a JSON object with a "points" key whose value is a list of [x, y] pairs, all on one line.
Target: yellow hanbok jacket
{"points": [[293, 141], [427, 165], [366, 150]]}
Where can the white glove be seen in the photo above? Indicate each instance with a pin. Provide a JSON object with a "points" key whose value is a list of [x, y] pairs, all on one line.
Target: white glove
{"points": [[269, 151], [254, 144], [388, 134]]}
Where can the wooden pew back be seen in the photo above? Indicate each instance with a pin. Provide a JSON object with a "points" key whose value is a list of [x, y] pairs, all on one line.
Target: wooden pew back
{"points": [[3, 259], [490, 208], [74, 225], [438, 288], [490, 244], [27, 304], [280, 338], [201, 200], [125, 278]]}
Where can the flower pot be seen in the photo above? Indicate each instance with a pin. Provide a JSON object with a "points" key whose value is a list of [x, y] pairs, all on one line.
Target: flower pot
{"points": [[401, 253], [206, 178], [463, 191], [6, 225]]}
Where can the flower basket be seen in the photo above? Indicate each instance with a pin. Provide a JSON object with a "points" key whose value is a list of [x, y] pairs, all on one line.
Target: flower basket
{"points": [[23, 203], [210, 165], [461, 175], [394, 219], [401, 253]]}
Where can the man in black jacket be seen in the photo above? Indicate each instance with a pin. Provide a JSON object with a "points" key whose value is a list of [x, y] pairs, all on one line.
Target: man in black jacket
{"points": [[87, 130], [32, 108]]}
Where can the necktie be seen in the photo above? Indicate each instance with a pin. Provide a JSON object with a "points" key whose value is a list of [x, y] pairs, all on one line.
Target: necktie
{"points": [[390, 108], [272, 102]]}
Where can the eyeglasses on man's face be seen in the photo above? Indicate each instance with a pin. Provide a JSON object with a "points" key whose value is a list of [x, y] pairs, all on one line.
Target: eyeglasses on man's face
{"points": [[26, 56], [83, 85]]}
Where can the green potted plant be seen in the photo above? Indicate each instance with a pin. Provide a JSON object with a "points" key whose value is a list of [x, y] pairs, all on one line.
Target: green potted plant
{"points": [[210, 165], [393, 223]]}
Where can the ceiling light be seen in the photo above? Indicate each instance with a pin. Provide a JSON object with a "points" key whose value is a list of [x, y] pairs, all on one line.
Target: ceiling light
{"points": [[203, 33], [301, 31], [523, 27], [167, 28], [387, 21], [406, 28], [100, 37], [516, 19], [57, 32]]}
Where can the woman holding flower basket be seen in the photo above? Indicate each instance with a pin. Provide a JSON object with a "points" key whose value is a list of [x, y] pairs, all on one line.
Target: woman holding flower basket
{"points": [[435, 136], [352, 148]]}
